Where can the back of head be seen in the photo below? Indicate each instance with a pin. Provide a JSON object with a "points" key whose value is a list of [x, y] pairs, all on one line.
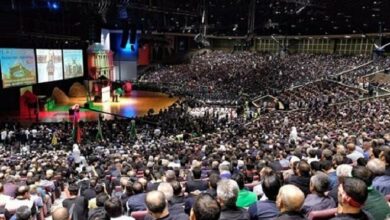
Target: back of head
{"points": [[227, 192], [290, 198], [376, 166], [326, 165], [60, 214], [304, 168], [319, 183], [271, 185], [239, 178], [355, 192], [138, 188], [99, 188], [22, 190], [113, 207], [177, 189], [197, 172], [344, 170], [73, 189], [351, 147], [23, 213], [213, 180], [167, 189], [205, 208], [170, 176], [101, 199], [364, 174], [156, 202]]}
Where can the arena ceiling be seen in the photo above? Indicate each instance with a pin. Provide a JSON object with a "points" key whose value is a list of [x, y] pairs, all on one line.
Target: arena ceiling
{"points": [[84, 18]]}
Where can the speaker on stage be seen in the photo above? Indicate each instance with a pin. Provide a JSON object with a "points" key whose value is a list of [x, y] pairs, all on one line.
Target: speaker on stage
{"points": [[71, 111]]}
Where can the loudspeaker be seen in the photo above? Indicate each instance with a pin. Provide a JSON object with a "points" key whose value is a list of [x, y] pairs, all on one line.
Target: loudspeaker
{"points": [[125, 35], [133, 33]]}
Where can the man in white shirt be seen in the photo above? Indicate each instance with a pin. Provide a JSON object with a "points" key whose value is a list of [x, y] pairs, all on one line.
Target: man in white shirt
{"points": [[22, 199], [4, 199], [353, 154]]}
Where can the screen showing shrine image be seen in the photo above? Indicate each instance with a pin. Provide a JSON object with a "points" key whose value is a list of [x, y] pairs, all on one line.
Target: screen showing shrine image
{"points": [[49, 65], [73, 63], [17, 67]]}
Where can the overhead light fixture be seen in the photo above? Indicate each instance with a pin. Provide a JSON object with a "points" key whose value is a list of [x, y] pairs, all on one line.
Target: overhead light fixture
{"points": [[235, 27]]}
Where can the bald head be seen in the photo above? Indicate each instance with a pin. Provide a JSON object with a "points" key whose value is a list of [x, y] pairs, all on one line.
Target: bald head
{"points": [[351, 147], [167, 189], [60, 214], [156, 202], [377, 166], [290, 198]]}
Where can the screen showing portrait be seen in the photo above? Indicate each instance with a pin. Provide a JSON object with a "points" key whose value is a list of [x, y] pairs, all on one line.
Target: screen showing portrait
{"points": [[73, 63], [49, 65], [17, 67]]}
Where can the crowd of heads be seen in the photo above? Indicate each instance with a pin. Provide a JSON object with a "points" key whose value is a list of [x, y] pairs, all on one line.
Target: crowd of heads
{"points": [[219, 75], [195, 161]]}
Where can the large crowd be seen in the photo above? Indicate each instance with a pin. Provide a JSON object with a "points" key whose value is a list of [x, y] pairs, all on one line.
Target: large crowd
{"points": [[219, 75], [204, 162]]}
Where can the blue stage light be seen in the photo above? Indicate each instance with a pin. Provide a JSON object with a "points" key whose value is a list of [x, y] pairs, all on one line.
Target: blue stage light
{"points": [[55, 5]]}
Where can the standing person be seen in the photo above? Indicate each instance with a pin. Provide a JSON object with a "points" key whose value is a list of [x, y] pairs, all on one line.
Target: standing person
{"points": [[76, 205]]}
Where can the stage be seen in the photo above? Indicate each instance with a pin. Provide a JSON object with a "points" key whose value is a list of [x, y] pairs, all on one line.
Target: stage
{"points": [[136, 105]]}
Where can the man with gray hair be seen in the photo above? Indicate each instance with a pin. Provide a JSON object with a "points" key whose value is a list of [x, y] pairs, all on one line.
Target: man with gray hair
{"points": [[167, 189], [23, 213], [224, 170], [317, 200], [227, 193]]}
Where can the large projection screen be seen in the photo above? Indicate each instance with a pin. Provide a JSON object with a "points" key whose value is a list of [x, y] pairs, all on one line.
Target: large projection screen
{"points": [[73, 63], [17, 67], [49, 65]]}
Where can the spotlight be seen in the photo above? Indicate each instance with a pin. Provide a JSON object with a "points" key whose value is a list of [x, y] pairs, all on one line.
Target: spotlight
{"points": [[53, 5]]}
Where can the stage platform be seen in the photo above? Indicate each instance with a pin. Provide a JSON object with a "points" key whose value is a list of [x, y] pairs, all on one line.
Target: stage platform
{"points": [[136, 105]]}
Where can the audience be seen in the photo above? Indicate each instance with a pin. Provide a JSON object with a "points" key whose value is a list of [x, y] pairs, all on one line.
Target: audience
{"points": [[212, 160], [317, 200], [375, 204]]}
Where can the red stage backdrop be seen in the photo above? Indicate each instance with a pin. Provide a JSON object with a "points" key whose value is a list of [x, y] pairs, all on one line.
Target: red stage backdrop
{"points": [[144, 55]]}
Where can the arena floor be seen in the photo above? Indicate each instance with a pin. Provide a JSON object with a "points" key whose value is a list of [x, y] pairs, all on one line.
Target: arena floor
{"points": [[135, 105]]}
